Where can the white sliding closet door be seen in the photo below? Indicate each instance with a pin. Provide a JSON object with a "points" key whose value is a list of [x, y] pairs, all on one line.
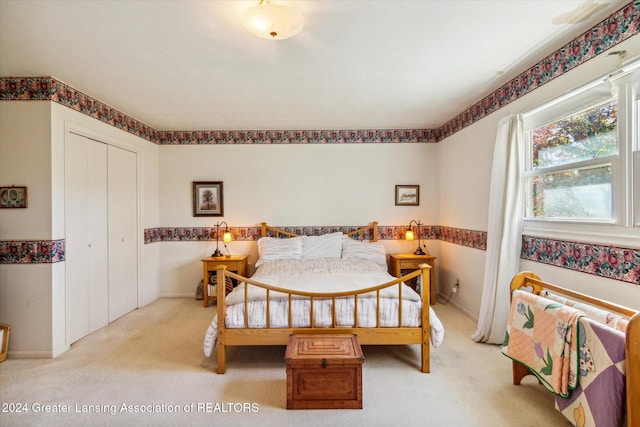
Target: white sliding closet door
{"points": [[123, 248], [86, 236], [101, 193]]}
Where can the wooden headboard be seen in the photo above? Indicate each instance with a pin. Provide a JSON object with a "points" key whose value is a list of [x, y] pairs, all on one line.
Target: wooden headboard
{"points": [[283, 233]]}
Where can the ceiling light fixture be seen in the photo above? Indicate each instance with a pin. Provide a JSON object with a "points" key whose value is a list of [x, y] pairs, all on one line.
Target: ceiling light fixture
{"points": [[272, 21]]}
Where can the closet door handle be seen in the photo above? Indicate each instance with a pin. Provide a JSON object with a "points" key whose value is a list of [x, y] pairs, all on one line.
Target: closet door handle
{"points": [[90, 244]]}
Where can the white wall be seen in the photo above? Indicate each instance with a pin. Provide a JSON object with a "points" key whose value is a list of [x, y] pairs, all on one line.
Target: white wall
{"points": [[150, 269], [333, 184], [25, 160], [464, 178]]}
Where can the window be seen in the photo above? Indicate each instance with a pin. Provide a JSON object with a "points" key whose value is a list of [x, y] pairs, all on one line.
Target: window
{"points": [[570, 170], [581, 166]]}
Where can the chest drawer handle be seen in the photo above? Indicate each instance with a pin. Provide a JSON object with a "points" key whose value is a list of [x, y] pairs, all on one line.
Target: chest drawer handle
{"points": [[324, 363]]}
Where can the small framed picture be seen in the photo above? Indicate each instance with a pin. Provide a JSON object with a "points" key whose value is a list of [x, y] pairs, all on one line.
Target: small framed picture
{"points": [[407, 195], [207, 198], [13, 197]]}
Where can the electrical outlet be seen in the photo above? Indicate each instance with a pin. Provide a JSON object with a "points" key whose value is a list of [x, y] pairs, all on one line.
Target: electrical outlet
{"points": [[456, 286]]}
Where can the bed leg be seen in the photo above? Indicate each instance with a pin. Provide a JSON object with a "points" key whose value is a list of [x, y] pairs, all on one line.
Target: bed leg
{"points": [[519, 372], [425, 356], [222, 357]]}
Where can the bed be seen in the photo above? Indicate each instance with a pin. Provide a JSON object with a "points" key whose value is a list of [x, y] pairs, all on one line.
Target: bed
{"points": [[606, 381], [331, 283]]}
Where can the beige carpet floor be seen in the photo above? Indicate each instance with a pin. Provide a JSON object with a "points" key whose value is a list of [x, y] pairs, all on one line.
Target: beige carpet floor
{"points": [[148, 369]]}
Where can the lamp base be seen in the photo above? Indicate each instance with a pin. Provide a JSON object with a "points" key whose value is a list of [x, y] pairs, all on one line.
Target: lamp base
{"points": [[419, 251], [216, 253]]}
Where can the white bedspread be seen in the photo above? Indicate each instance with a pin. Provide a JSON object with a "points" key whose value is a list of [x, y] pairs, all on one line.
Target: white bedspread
{"points": [[323, 275]]}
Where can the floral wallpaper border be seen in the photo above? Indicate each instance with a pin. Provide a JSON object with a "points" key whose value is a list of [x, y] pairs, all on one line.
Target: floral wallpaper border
{"points": [[617, 28], [177, 234], [471, 238], [50, 89], [32, 251], [604, 261], [360, 136], [611, 262]]}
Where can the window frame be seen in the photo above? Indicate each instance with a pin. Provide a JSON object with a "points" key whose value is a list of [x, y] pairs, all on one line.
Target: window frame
{"points": [[624, 225]]}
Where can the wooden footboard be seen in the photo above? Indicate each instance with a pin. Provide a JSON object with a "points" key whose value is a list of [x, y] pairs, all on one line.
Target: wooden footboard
{"points": [[378, 335], [528, 280]]}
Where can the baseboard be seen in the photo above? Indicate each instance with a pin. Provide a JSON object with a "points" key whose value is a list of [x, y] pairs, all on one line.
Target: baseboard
{"points": [[464, 310], [29, 355]]}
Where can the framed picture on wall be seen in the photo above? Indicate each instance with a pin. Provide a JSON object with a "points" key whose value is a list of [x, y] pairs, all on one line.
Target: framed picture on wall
{"points": [[407, 195], [13, 197], [207, 198]]}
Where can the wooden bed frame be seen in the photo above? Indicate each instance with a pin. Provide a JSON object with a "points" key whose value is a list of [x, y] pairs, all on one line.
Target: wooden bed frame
{"points": [[401, 335], [528, 279]]}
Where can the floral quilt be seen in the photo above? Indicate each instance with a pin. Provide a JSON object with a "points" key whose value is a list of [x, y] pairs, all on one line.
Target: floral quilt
{"points": [[542, 335], [599, 399]]}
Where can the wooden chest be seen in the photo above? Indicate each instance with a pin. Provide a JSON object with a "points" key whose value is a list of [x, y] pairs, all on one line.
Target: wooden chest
{"points": [[324, 372]]}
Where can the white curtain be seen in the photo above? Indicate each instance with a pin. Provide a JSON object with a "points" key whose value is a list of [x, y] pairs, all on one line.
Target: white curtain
{"points": [[504, 230]]}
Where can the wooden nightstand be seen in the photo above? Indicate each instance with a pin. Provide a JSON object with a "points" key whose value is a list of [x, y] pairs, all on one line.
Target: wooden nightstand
{"points": [[234, 263], [400, 264]]}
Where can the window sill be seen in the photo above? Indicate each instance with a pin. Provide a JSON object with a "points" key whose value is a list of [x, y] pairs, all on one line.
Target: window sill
{"points": [[600, 234]]}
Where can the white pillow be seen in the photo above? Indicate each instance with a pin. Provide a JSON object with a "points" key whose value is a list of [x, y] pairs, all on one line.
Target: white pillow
{"points": [[325, 246], [373, 251], [272, 248]]}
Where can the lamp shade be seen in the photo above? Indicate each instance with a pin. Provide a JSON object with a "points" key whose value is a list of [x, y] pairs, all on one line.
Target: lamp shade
{"points": [[226, 237], [272, 21], [409, 235]]}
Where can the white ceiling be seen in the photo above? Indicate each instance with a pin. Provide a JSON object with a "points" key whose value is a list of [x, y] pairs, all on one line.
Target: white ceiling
{"points": [[357, 64]]}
